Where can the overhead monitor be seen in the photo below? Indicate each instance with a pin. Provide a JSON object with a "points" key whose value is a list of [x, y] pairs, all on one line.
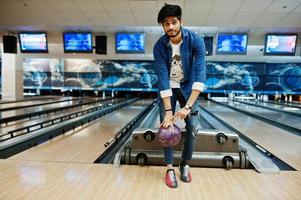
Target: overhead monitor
{"points": [[33, 42], [232, 43], [130, 42], [78, 42], [280, 44]]}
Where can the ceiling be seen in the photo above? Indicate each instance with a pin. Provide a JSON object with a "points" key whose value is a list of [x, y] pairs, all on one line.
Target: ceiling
{"points": [[103, 16]]}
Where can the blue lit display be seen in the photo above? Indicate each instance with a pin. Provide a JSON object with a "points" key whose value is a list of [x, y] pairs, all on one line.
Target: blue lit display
{"points": [[130, 42], [232, 44], [125, 75], [78, 43], [33, 42], [253, 77]]}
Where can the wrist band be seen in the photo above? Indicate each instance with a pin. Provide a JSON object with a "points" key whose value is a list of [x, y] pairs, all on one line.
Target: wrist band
{"points": [[168, 110]]}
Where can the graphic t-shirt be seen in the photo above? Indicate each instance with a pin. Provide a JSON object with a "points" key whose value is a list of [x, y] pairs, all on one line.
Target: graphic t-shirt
{"points": [[176, 68]]}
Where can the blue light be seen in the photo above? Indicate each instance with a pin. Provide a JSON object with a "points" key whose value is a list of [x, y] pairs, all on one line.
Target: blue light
{"points": [[130, 42], [232, 43], [78, 42]]}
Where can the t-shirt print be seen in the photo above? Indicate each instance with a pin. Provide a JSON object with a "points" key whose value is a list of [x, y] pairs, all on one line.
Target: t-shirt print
{"points": [[176, 69]]}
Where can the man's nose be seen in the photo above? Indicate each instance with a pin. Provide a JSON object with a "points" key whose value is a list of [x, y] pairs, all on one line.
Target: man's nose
{"points": [[170, 26]]}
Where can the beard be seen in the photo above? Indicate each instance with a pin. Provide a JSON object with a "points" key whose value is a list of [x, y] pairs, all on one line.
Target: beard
{"points": [[175, 35]]}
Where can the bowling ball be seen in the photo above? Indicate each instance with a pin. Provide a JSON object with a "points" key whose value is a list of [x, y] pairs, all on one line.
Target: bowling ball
{"points": [[170, 136]]}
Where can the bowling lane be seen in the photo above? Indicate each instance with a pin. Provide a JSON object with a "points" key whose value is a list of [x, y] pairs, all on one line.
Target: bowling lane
{"points": [[27, 122], [276, 106], [291, 120], [12, 113], [29, 99], [285, 103], [33, 102], [84, 144], [289, 103], [281, 143]]}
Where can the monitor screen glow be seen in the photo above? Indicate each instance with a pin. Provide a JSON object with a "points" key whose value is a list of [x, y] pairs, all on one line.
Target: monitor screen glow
{"points": [[130, 42], [78, 43], [232, 44], [280, 44], [33, 42]]}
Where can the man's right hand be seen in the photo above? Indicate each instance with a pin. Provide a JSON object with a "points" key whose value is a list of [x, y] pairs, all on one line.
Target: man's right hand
{"points": [[168, 120]]}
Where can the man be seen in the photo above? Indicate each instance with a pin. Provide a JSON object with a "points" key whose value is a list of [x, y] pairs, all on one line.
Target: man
{"points": [[180, 66]]}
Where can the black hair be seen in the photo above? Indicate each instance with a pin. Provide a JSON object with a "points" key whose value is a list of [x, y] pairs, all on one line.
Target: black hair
{"points": [[169, 10]]}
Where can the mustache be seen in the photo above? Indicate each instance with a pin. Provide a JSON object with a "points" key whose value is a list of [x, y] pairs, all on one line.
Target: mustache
{"points": [[171, 30], [175, 35]]}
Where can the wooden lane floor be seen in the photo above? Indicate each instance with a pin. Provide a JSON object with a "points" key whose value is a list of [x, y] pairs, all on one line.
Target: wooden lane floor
{"points": [[26, 122], [280, 107], [33, 102], [84, 144], [52, 180], [281, 143], [34, 98], [288, 119], [287, 103]]}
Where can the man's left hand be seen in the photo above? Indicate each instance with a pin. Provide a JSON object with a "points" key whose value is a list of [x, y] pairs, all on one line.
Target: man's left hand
{"points": [[182, 113]]}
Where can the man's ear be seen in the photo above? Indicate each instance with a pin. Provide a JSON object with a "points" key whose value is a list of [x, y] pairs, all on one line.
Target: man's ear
{"points": [[181, 21]]}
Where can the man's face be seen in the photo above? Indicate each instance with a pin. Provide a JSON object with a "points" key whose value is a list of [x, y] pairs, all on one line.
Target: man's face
{"points": [[171, 26]]}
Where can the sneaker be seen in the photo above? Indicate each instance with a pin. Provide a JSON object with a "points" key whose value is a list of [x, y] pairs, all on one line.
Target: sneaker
{"points": [[170, 178], [185, 173]]}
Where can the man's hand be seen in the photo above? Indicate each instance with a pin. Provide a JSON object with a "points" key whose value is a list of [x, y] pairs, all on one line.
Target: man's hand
{"points": [[168, 120], [182, 113]]}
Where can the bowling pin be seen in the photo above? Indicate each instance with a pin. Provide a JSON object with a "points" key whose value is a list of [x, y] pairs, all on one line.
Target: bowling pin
{"points": [[265, 97]]}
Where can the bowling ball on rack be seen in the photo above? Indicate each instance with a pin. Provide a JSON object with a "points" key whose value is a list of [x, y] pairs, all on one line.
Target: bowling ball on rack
{"points": [[169, 137]]}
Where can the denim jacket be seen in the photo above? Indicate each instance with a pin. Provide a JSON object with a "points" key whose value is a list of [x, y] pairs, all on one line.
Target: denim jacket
{"points": [[192, 52]]}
